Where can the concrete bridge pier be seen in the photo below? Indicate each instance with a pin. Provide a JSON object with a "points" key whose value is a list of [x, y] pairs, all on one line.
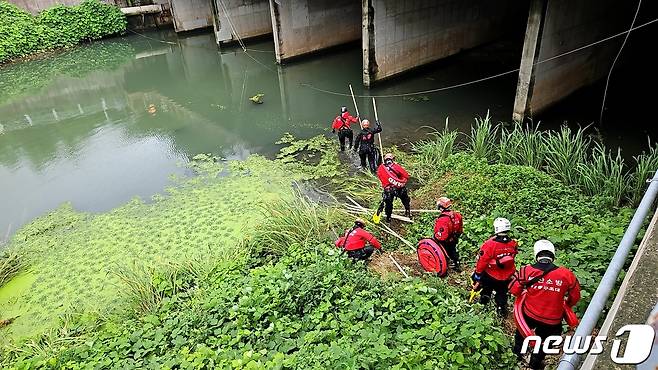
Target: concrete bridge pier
{"points": [[304, 26], [191, 14], [240, 19], [559, 26], [400, 35]]}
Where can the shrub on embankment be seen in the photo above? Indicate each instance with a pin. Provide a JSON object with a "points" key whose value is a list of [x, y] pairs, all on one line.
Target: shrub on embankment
{"points": [[302, 306], [290, 301], [22, 34], [585, 231]]}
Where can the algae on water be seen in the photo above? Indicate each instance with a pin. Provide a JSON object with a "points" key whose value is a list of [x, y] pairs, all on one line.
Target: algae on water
{"points": [[73, 256]]}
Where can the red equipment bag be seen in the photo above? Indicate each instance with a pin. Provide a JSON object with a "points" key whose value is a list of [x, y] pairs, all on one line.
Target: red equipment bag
{"points": [[432, 257], [569, 316], [519, 320]]}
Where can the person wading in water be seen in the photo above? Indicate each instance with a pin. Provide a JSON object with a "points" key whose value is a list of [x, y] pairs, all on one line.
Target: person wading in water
{"points": [[342, 124], [365, 145]]}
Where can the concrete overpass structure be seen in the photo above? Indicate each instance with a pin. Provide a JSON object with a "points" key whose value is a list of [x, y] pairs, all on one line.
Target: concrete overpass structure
{"points": [[560, 26], [400, 35], [240, 19]]}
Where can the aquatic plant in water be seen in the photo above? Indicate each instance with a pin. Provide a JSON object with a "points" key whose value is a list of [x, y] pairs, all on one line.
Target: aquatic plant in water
{"points": [[75, 257]]}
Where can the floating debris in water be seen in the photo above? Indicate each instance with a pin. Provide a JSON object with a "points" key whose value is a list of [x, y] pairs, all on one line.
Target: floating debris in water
{"points": [[258, 98], [152, 109]]}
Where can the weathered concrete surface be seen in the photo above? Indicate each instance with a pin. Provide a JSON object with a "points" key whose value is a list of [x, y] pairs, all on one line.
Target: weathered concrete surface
{"points": [[399, 35], [528, 57], [148, 16], [568, 25], [241, 19], [636, 298], [304, 26], [191, 14]]}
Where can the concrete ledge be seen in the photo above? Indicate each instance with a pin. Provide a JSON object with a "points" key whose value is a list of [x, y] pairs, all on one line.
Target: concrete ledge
{"points": [[139, 10]]}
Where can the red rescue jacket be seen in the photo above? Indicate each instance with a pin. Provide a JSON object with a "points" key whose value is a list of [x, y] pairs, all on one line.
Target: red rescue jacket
{"points": [[395, 176], [546, 298], [448, 226], [343, 121], [357, 238], [495, 258]]}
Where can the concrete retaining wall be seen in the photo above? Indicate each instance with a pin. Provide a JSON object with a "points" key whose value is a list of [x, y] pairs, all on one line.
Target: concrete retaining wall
{"points": [[567, 26], [399, 35], [305, 26], [250, 18], [191, 14]]}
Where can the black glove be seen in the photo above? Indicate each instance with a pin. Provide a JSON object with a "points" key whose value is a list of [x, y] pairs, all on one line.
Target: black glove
{"points": [[333, 130]]}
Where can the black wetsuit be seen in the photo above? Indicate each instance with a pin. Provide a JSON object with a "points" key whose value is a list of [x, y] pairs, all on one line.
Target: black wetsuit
{"points": [[365, 145]]}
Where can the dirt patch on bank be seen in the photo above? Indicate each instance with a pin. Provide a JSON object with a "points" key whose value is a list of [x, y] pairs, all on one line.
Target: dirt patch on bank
{"points": [[382, 264]]}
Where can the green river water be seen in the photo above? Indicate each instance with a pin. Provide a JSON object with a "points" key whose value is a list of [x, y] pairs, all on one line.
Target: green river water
{"points": [[76, 127]]}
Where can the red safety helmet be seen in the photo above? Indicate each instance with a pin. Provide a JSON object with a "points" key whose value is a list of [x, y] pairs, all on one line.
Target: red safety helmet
{"points": [[443, 202]]}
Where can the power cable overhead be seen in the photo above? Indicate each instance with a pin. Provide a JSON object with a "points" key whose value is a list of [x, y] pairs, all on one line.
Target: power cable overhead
{"points": [[607, 81], [483, 78]]}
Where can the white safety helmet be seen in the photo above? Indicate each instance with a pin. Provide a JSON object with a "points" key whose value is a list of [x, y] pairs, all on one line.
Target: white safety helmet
{"points": [[501, 225], [543, 245]]}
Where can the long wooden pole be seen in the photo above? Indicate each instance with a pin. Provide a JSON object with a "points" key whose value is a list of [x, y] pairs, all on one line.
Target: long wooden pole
{"points": [[398, 266], [379, 135], [356, 107]]}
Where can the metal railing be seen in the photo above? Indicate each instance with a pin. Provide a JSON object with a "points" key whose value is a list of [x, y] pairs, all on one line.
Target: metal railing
{"points": [[602, 293]]}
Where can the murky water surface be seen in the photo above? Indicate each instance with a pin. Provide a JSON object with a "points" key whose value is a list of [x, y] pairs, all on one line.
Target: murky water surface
{"points": [[103, 123]]}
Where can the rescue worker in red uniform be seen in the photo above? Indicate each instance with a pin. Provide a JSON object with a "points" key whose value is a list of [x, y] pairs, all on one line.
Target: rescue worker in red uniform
{"points": [[358, 243], [394, 181], [365, 145], [342, 124], [495, 265], [547, 288], [448, 227]]}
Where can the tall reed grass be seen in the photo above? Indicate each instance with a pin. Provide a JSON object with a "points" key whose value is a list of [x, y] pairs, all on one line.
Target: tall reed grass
{"points": [[565, 151], [296, 221], [521, 146], [572, 156], [604, 174], [146, 286], [646, 165], [431, 152], [11, 263], [482, 141]]}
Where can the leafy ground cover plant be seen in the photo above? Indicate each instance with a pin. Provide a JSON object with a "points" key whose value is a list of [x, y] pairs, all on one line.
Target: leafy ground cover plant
{"points": [[247, 298], [60, 26]]}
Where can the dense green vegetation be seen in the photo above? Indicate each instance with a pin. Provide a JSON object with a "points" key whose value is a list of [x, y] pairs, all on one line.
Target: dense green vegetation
{"points": [[232, 269], [22, 34]]}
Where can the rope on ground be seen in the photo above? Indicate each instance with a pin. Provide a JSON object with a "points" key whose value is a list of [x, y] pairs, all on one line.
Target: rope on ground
{"points": [[450, 87], [607, 81]]}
